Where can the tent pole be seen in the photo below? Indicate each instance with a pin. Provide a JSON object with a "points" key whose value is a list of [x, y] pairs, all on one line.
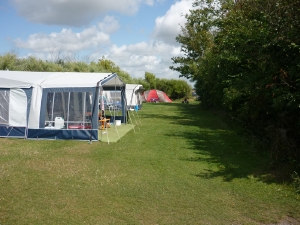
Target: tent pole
{"points": [[139, 118], [135, 119], [136, 110], [68, 113], [52, 119], [26, 129], [131, 121], [115, 108], [103, 109]]}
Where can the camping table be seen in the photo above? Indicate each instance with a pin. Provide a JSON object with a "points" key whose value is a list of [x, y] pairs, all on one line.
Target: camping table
{"points": [[104, 122]]}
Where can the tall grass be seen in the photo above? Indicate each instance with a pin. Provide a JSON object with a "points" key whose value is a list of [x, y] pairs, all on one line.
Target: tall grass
{"points": [[184, 166]]}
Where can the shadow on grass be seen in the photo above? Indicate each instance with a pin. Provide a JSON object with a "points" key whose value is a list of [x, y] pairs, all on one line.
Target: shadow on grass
{"points": [[214, 142]]}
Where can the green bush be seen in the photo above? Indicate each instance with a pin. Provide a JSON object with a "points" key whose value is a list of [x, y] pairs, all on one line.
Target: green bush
{"points": [[296, 182]]}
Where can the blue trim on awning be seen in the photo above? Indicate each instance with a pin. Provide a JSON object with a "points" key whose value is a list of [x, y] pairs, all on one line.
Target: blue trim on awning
{"points": [[62, 134], [8, 131]]}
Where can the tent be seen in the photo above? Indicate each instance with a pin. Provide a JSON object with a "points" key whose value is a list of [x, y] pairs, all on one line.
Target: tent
{"points": [[53, 105], [156, 95], [134, 95]]}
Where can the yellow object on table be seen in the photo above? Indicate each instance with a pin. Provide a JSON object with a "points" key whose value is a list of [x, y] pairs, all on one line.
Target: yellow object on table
{"points": [[104, 123]]}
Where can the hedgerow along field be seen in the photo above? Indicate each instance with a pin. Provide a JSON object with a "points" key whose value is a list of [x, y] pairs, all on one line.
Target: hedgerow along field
{"points": [[184, 166]]}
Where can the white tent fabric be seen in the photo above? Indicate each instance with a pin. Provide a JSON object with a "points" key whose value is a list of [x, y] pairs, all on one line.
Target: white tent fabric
{"points": [[37, 81], [133, 96], [26, 79], [18, 108]]}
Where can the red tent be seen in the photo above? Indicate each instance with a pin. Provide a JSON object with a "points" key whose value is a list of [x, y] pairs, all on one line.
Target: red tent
{"points": [[156, 95]]}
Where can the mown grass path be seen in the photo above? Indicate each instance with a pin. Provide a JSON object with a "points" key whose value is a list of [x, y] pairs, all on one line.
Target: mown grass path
{"points": [[184, 166]]}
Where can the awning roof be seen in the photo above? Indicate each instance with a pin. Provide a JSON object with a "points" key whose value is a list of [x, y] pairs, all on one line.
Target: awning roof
{"points": [[26, 79]]}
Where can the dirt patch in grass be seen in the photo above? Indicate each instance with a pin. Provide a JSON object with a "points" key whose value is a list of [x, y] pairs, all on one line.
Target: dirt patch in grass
{"points": [[288, 221]]}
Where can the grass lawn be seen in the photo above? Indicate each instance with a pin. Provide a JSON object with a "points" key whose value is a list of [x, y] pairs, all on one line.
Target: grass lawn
{"points": [[184, 166]]}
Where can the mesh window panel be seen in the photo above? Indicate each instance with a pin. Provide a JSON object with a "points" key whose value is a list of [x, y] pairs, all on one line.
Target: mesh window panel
{"points": [[4, 106]]}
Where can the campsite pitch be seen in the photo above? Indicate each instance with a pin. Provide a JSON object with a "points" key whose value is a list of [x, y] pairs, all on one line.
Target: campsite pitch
{"points": [[184, 166], [114, 133]]}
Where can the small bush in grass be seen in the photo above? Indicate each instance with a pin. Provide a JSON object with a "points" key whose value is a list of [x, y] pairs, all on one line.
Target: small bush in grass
{"points": [[296, 182]]}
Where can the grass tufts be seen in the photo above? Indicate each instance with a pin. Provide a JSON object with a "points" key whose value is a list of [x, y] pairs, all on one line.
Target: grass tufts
{"points": [[184, 166]]}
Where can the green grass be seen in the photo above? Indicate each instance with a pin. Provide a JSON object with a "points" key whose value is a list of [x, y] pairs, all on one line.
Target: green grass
{"points": [[114, 133], [184, 166]]}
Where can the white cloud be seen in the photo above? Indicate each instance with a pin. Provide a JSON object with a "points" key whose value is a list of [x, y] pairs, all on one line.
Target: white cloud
{"points": [[167, 27], [66, 41], [146, 56], [109, 25], [143, 57], [73, 12]]}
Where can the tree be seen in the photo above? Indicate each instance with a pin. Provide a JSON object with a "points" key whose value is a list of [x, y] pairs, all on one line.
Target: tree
{"points": [[196, 38], [151, 79], [245, 59], [106, 65], [8, 61]]}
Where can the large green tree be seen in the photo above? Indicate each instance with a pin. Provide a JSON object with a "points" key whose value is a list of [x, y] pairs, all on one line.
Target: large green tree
{"points": [[196, 38], [245, 59], [151, 79]]}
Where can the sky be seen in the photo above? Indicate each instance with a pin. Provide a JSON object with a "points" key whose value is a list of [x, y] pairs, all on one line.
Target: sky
{"points": [[137, 35]]}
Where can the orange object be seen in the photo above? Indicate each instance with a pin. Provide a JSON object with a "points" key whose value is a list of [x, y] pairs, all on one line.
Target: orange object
{"points": [[104, 123]]}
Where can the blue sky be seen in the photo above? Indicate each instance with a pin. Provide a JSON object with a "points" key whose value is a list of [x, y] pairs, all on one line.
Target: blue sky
{"points": [[137, 35]]}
